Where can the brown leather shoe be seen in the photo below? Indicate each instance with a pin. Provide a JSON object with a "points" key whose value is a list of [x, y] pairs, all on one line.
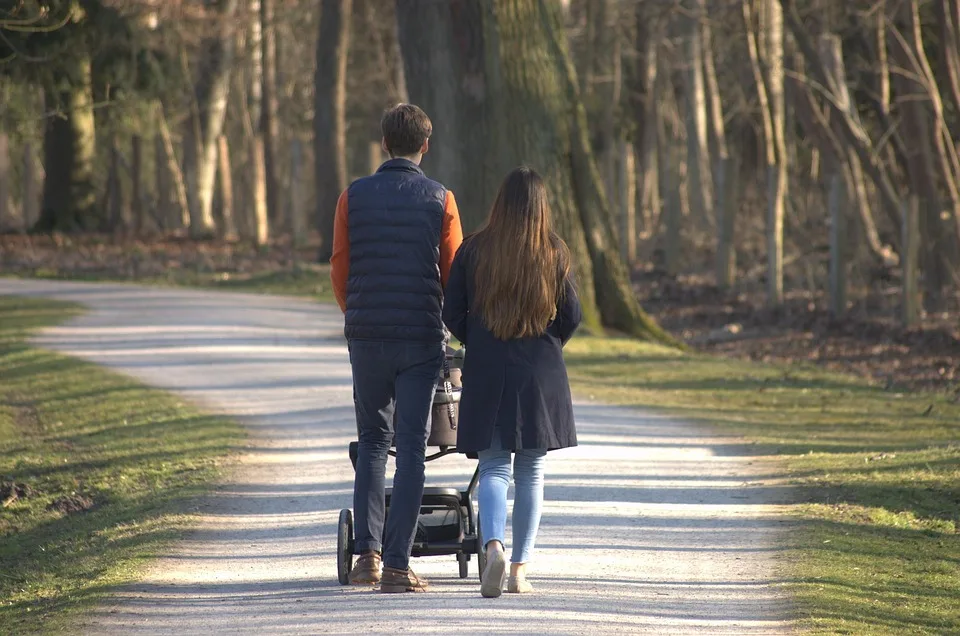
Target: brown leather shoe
{"points": [[396, 581], [366, 571]]}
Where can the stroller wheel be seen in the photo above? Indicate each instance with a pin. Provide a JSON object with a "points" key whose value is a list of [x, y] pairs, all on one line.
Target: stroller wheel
{"points": [[345, 546], [464, 561]]}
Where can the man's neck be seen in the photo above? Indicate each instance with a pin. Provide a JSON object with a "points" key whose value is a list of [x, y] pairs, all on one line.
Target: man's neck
{"points": [[417, 158]]}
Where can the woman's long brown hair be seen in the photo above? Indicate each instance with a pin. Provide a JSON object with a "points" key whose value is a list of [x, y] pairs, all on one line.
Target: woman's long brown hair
{"points": [[521, 263]]}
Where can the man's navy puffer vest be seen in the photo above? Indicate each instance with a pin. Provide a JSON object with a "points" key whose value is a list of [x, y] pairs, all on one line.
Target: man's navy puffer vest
{"points": [[393, 290]]}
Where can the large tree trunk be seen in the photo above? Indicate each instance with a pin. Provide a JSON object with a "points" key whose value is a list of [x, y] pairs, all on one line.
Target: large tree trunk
{"points": [[270, 118], [698, 151], [213, 90], [69, 190], [767, 61], [329, 119], [649, 36], [725, 170], [444, 52], [529, 87]]}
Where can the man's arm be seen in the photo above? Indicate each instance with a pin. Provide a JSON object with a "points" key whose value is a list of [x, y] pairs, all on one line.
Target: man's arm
{"points": [[340, 260], [450, 237]]}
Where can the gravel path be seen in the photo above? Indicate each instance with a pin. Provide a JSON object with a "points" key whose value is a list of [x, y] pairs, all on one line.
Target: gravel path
{"points": [[651, 526]]}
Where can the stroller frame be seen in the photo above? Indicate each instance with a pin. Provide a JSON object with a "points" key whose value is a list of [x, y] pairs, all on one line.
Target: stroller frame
{"points": [[436, 499]]}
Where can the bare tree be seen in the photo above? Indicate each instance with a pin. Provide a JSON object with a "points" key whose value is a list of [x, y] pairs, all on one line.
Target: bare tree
{"points": [[269, 115], [212, 90], [329, 119]]}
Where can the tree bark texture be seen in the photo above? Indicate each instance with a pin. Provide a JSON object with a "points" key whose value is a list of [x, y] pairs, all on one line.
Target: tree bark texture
{"points": [[270, 117], [117, 196], [910, 293], [329, 119], [444, 59], [137, 208], [649, 36], [728, 184], [837, 200], [534, 115], [627, 198], [70, 152], [7, 222], [228, 229], [773, 27], [698, 150], [213, 90], [173, 170], [30, 204]]}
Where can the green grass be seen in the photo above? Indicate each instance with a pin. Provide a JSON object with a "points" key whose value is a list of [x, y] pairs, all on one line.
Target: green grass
{"points": [[875, 474], [81, 437]]}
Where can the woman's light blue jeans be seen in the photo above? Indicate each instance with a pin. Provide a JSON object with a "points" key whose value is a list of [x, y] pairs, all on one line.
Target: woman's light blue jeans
{"points": [[495, 473]]}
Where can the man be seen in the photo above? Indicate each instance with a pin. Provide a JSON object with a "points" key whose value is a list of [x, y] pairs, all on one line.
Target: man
{"points": [[395, 235]]}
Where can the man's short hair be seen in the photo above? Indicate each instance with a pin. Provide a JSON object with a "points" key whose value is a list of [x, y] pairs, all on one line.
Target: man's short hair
{"points": [[405, 128]]}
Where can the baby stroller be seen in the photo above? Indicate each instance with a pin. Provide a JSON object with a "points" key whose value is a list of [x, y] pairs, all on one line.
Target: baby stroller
{"points": [[447, 522]]}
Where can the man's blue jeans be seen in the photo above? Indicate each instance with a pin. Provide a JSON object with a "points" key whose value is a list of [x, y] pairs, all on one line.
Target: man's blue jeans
{"points": [[391, 378]]}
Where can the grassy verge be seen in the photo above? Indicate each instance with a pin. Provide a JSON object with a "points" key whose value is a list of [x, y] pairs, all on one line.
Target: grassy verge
{"points": [[96, 474], [876, 474]]}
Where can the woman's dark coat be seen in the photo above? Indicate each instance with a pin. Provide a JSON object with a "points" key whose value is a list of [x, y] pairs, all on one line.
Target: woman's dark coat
{"points": [[519, 386]]}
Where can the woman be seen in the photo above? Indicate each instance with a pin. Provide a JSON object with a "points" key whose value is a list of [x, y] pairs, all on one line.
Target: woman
{"points": [[510, 300]]}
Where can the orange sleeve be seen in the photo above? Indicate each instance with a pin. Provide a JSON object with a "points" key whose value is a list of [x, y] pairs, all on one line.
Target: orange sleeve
{"points": [[450, 238], [340, 260]]}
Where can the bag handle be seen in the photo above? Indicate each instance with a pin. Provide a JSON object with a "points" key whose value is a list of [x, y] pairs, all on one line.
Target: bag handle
{"points": [[448, 390]]}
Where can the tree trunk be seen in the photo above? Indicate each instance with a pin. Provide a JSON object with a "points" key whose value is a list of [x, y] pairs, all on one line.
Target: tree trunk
{"points": [[270, 118], [229, 229], [529, 86], [298, 224], [650, 34], [254, 86], [447, 40], [173, 169], [725, 192], [672, 211], [911, 262], [69, 190], [137, 208], [728, 185], [628, 203], [261, 220], [7, 222], [777, 173], [30, 200], [213, 90], [329, 119], [836, 205], [387, 47], [162, 180], [118, 206], [698, 150]]}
